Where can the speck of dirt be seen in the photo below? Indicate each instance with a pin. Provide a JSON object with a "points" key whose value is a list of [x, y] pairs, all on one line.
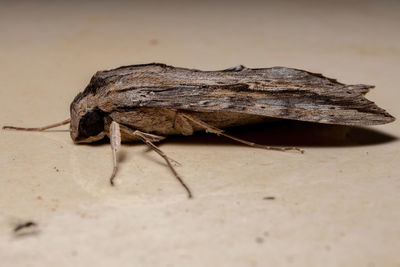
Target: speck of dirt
{"points": [[269, 198], [259, 240], [154, 42], [24, 225], [39, 198]]}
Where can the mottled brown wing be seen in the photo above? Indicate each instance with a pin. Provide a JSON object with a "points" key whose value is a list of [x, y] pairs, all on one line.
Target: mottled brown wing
{"points": [[274, 92]]}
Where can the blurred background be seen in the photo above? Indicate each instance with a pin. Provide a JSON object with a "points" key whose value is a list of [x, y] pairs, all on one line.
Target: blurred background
{"points": [[60, 44]]}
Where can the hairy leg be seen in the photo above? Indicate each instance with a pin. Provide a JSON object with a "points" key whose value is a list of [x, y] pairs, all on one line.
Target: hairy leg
{"points": [[144, 137]]}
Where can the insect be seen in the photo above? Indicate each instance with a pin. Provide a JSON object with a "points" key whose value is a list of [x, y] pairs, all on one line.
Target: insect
{"points": [[151, 101]]}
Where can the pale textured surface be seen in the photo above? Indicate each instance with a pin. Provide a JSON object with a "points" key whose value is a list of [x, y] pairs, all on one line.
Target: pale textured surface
{"points": [[336, 205]]}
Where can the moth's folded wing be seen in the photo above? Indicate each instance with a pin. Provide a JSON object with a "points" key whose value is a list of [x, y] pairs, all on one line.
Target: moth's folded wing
{"points": [[282, 93], [304, 105], [275, 92]]}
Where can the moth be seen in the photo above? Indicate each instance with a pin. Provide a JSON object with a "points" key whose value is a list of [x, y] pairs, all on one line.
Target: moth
{"points": [[149, 102]]}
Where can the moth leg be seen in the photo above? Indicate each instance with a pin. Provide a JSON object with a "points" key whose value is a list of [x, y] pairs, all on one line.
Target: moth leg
{"points": [[155, 138], [115, 141], [149, 142], [38, 128], [214, 130]]}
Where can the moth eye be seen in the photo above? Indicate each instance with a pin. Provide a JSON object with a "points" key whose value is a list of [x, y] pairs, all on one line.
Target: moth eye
{"points": [[91, 124]]}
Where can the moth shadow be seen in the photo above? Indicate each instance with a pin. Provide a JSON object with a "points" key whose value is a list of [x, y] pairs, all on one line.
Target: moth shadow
{"points": [[293, 133]]}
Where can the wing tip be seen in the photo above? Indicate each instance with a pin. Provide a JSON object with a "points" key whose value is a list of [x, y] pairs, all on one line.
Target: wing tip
{"points": [[380, 116], [387, 118], [361, 88]]}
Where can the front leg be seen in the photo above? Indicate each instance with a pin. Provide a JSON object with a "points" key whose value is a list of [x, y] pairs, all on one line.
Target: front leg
{"points": [[115, 141]]}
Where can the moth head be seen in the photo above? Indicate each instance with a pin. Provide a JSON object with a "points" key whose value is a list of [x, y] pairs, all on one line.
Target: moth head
{"points": [[87, 123]]}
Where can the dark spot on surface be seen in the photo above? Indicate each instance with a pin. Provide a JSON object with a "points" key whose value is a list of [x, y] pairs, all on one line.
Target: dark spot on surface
{"points": [[91, 124], [269, 198], [260, 240], [21, 226]]}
